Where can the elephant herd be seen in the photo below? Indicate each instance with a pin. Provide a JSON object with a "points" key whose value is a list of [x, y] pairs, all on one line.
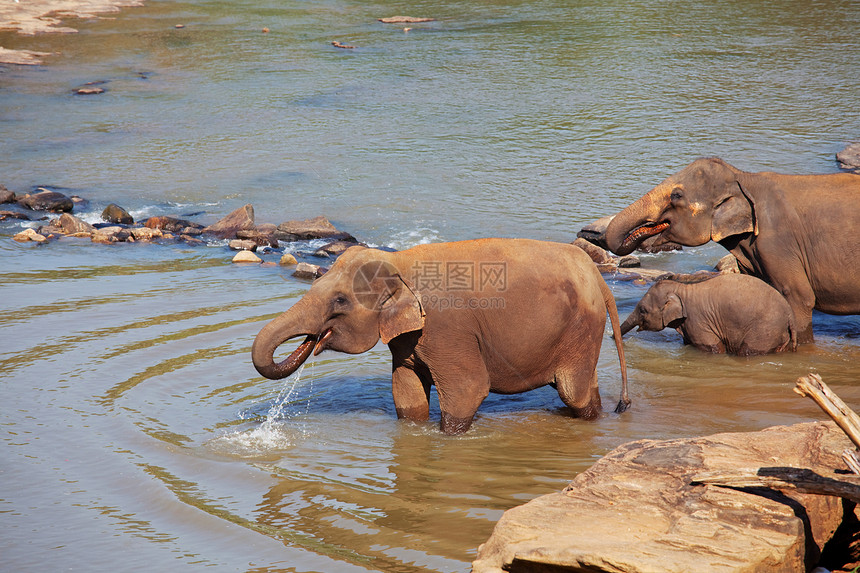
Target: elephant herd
{"points": [[511, 315]]}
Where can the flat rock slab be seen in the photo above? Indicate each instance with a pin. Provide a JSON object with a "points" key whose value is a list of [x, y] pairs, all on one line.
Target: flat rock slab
{"points": [[635, 510]]}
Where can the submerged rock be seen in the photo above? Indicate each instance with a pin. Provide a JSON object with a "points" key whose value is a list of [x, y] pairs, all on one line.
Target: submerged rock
{"points": [[113, 213], [637, 509], [46, 200], [171, 224], [6, 196], [404, 20], [239, 220], [316, 228], [334, 249]]}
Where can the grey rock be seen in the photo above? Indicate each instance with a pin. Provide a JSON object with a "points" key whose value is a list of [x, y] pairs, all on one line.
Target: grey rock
{"points": [[239, 220]]}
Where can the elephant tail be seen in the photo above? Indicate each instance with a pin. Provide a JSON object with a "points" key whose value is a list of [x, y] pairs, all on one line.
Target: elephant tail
{"points": [[609, 300]]}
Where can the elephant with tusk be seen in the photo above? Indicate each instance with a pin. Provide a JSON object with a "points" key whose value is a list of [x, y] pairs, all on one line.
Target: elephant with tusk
{"points": [[471, 317], [796, 232]]}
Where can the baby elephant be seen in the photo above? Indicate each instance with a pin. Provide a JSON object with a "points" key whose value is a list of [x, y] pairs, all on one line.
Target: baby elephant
{"points": [[733, 313]]}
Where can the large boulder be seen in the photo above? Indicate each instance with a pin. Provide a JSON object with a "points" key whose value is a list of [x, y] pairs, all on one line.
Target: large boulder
{"points": [[637, 509], [239, 220], [47, 200], [316, 228]]}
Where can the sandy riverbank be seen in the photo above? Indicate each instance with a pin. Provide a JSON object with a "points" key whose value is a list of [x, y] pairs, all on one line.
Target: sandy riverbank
{"points": [[30, 17]]}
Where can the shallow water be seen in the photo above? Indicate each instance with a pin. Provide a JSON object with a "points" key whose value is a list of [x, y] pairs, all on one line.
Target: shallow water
{"points": [[136, 430]]}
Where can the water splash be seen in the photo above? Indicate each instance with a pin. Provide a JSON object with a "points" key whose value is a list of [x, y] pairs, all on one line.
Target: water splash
{"points": [[276, 432]]}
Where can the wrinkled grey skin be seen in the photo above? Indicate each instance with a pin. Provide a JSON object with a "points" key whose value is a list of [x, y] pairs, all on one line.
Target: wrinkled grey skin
{"points": [[798, 233], [727, 314], [541, 323]]}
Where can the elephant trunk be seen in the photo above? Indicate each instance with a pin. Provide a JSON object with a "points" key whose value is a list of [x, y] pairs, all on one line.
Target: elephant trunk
{"points": [[638, 221], [289, 325], [630, 322]]}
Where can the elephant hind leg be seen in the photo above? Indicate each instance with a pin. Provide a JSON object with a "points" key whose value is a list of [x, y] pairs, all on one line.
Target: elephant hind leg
{"points": [[579, 392]]}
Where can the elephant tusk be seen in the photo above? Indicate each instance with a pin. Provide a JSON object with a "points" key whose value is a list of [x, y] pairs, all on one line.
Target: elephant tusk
{"points": [[644, 231], [321, 343]]}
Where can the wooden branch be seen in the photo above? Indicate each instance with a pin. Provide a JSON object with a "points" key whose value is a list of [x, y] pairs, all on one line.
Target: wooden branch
{"points": [[791, 479], [814, 387]]}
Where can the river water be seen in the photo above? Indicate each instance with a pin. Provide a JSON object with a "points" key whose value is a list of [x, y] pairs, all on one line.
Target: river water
{"points": [[136, 432]]}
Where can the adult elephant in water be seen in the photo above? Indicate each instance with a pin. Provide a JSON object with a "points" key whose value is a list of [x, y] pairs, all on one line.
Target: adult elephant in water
{"points": [[491, 315], [797, 232]]}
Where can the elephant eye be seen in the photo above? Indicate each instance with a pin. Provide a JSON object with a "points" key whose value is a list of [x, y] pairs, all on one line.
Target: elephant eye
{"points": [[676, 195], [340, 300]]}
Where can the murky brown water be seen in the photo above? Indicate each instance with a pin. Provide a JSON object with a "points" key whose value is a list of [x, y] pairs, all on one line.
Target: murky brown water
{"points": [[136, 433]]}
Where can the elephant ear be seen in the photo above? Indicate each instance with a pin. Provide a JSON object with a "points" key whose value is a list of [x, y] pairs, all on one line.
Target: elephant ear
{"points": [[733, 215], [673, 311], [401, 313]]}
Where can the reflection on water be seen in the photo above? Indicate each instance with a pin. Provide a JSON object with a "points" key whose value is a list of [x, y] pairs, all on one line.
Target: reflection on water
{"points": [[133, 421]]}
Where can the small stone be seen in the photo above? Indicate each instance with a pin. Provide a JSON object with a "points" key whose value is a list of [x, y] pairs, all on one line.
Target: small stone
{"points": [[29, 235], [113, 213], [89, 91], [103, 238], [240, 219], [308, 271], [243, 245], [146, 233], [334, 249], [629, 262], [246, 257], [179, 26], [116, 233], [171, 224], [288, 260], [265, 30], [13, 215], [6, 196], [316, 228]]}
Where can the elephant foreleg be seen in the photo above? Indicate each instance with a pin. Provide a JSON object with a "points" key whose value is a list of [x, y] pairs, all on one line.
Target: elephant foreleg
{"points": [[411, 394]]}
